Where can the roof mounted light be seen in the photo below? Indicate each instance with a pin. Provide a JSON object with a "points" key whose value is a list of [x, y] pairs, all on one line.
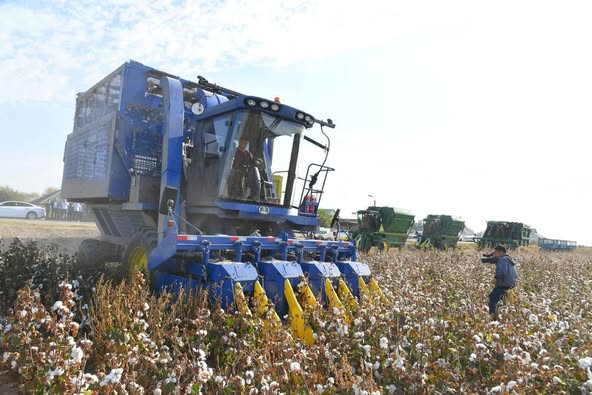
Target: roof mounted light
{"points": [[300, 115], [264, 104], [275, 107], [308, 119], [251, 102]]}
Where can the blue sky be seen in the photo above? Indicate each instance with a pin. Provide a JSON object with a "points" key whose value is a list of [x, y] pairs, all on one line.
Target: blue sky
{"points": [[475, 109]]}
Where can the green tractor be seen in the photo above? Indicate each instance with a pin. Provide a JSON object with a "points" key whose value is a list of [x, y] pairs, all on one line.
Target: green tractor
{"points": [[440, 231], [510, 234], [383, 227]]}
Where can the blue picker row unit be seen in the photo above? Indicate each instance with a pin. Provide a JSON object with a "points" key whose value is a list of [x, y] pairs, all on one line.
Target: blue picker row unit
{"points": [[199, 186]]}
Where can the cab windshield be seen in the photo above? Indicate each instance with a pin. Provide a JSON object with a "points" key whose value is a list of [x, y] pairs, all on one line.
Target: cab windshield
{"points": [[250, 162]]}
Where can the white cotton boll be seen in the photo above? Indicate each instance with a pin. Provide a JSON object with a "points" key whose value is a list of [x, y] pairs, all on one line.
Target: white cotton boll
{"points": [[295, 366], [77, 354], [53, 373], [557, 380], [533, 318], [57, 305], [510, 385], [383, 343], [477, 339], [585, 363], [366, 348], [113, 377], [473, 357]]}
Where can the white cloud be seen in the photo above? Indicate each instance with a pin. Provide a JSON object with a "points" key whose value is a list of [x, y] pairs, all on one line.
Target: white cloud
{"points": [[52, 49]]}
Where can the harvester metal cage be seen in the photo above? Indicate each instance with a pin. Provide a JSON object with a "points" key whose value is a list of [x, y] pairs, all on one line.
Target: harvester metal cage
{"points": [[510, 234], [441, 231]]}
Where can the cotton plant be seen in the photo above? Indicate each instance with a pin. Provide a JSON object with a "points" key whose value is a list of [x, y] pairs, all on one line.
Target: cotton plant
{"points": [[434, 335]]}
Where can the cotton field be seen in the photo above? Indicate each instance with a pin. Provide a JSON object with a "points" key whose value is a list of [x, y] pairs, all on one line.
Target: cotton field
{"points": [[67, 332]]}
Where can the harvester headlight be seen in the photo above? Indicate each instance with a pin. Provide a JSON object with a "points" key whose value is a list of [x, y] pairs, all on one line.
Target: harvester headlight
{"points": [[251, 102], [264, 104], [275, 107], [300, 115]]}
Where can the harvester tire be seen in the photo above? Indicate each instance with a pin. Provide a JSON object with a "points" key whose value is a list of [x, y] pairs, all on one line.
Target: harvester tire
{"points": [[364, 244], [135, 255], [94, 254]]}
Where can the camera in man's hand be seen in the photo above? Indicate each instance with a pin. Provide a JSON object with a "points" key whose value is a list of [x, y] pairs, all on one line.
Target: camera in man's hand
{"points": [[489, 258]]}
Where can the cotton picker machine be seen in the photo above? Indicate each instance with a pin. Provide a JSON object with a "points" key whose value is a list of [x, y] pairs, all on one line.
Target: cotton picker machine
{"points": [[382, 227], [511, 234], [185, 182], [440, 231]]}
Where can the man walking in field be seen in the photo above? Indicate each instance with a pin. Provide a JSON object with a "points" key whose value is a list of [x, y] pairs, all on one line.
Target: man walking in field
{"points": [[505, 278]]}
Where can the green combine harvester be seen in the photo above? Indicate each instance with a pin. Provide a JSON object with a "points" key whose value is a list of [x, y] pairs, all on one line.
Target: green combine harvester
{"points": [[510, 234], [382, 227], [440, 231]]}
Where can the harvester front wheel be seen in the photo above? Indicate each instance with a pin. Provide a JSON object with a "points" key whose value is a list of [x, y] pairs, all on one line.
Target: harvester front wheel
{"points": [[135, 255], [364, 243], [383, 246]]}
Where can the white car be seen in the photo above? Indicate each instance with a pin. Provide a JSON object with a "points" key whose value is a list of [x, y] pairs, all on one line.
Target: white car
{"points": [[21, 210]]}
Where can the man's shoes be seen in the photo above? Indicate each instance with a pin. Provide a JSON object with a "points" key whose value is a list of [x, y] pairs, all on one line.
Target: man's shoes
{"points": [[494, 317]]}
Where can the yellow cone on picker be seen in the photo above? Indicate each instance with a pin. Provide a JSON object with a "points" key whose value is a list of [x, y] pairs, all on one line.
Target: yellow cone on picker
{"points": [[373, 285], [307, 297], [241, 301], [296, 315], [364, 291], [335, 302], [265, 307], [346, 296]]}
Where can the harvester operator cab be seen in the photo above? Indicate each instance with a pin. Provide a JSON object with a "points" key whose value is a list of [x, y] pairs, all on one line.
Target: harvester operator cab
{"points": [[369, 220], [238, 153]]}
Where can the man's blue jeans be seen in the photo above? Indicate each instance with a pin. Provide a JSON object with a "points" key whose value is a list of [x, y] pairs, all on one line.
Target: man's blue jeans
{"points": [[494, 297]]}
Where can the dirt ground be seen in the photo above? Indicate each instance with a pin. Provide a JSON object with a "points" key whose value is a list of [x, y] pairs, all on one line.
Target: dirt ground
{"points": [[63, 233]]}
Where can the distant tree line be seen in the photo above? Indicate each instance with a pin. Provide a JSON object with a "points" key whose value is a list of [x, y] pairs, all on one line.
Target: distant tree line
{"points": [[9, 193]]}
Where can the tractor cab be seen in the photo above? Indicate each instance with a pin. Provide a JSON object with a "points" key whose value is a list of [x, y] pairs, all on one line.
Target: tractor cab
{"points": [[233, 153], [240, 165], [369, 221]]}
